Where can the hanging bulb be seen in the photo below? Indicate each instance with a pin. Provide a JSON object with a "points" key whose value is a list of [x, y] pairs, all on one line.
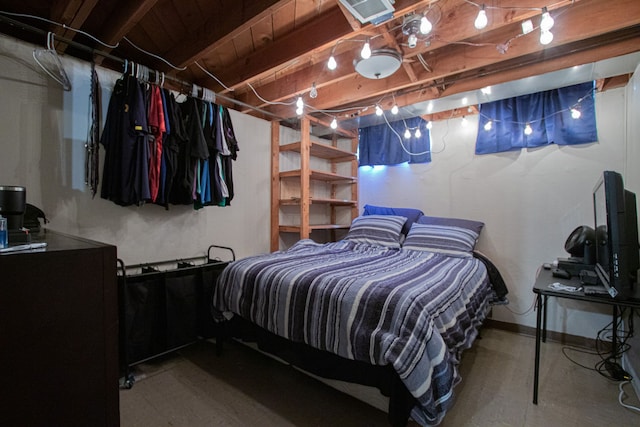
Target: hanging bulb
{"points": [[407, 134], [378, 110], [394, 109], [412, 40], [365, 53], [332, 64], [334, 123], [546, 23], [299, 111], [575, 113], [429, 125], [314, 92], [546, 37], [488, 125], [481, 20], [425, 25], [464, 122], [418, 133], [527, 129], [300, 102]]}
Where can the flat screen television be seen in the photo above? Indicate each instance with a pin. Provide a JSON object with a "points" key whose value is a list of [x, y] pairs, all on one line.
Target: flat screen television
{"points": [[616, 225]]}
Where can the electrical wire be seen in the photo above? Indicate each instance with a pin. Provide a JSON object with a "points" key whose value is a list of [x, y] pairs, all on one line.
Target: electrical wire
{"points": [[622, 395], [213, 77], [24, 15], [154, 55]]}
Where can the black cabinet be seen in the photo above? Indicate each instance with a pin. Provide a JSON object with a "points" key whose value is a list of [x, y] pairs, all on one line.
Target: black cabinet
{"points": [[59, 334]]}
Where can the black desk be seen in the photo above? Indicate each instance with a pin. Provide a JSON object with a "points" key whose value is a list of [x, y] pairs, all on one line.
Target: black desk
{"points": [[543, 292]]}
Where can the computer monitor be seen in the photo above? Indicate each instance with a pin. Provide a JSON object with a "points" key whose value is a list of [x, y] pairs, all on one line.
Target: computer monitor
{"points": [[616, 225]]}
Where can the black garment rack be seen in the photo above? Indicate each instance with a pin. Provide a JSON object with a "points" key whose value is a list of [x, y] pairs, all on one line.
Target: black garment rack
{"points": [[165, 306]]}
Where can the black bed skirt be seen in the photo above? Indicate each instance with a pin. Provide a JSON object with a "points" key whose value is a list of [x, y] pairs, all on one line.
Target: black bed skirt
{"points": [[324, 364]]}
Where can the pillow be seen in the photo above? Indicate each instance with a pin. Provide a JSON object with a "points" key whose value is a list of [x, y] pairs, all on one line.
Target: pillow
{"points": [[381, 230], [475, 226], [411, 214], [446, 239]]}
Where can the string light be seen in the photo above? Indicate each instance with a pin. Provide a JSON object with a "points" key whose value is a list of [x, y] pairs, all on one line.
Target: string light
{"points": [[314, 91], [546, 23], [425, 25], [332, 64], [365, 53], [394, 109], [300, 102], [407, 133], [488, 125], [546, 37], [527, 129], [481, 20], [575, 113], [429, 125], [379, 110], [464, 122], [418, 133], [334, 123]]}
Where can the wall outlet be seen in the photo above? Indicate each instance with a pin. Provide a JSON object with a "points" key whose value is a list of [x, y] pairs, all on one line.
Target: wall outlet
{"points": [[630, 369]]}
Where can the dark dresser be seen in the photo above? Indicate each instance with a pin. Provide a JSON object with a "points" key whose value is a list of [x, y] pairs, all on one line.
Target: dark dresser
{"points": [[59, 334]]}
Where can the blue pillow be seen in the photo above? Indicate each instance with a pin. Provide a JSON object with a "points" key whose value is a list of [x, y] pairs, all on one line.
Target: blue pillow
{"points": [[446, 239], [411, 214], [380, 230]]}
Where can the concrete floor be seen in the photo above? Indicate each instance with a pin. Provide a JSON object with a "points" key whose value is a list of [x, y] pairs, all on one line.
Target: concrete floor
{"points": [[245, 388]]}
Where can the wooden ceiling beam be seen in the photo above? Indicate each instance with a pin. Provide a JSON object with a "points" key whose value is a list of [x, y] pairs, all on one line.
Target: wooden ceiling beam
{"points": [[71, 13], [126, 16], [220, 29], [571, 26]]}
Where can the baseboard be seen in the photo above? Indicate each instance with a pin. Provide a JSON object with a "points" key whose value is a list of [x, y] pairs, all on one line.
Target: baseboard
{"points": [[562, 338]]}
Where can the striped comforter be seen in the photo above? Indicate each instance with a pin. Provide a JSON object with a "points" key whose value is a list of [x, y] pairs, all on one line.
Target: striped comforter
{"points": [[414, 310]]}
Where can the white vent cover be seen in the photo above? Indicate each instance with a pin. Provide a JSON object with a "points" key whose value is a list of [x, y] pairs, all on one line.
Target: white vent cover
{"points": [[368, 10]]}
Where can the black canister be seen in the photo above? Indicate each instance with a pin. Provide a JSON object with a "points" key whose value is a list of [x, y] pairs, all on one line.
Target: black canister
{"points": [[13, 202]]}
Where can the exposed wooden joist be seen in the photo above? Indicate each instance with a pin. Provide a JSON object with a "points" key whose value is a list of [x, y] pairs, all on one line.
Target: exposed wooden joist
{"points": [[571, 26], [71, 13]]}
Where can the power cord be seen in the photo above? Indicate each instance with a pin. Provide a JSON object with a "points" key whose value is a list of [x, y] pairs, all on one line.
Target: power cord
{"points": [[623, 394]]}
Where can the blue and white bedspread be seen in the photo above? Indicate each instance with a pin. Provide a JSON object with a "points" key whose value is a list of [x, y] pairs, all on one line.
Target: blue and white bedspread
{"points": [[414, 310]]}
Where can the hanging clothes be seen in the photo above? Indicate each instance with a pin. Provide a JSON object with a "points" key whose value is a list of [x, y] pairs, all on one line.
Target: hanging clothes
{"points": [[157, 129], [125, 177]]}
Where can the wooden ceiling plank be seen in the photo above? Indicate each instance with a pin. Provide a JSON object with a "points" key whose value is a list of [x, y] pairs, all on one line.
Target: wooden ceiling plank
{"points": [[220, 29], [570, 27], [124, 19], [71, 13]]}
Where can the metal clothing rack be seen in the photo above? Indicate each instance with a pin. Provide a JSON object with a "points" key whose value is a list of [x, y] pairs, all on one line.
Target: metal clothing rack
{"points": [[165, 306]]}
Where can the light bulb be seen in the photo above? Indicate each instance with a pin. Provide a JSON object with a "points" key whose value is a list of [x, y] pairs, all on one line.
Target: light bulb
{"points": [[394, 109], [429, 125], [299, 102], [481, 20], [546, 37], [464, 122], [378, 110], [334, 123], [527, 129], [425, 25], [418, 133], [412, 40], [365, 53], [407, 134], [486, 90], [487, 126], [332, 64], [546, 23], [299, 111], [575, 113], [314, 92]]}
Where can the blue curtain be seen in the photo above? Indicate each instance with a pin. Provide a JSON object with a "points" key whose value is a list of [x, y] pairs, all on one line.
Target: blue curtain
{"points": [[382, 144], [549, 115]]}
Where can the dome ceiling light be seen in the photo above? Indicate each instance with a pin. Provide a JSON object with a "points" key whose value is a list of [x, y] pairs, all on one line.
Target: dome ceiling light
{"points": [[381, 64]]}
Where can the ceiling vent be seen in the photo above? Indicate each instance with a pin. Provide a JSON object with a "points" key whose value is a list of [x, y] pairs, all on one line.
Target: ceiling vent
{"points": [[374, 11]]}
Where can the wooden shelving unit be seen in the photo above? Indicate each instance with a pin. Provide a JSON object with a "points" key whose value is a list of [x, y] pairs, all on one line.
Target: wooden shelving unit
{"points": [[302, 178]]}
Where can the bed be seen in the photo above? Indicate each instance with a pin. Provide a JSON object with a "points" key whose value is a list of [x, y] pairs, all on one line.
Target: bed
{"points": [[391, 305]]}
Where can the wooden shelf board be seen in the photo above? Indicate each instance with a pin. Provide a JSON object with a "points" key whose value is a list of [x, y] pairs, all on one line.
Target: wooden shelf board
{"points": [[322, 151], [319, 176], [335, 202], [296, 228]]}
